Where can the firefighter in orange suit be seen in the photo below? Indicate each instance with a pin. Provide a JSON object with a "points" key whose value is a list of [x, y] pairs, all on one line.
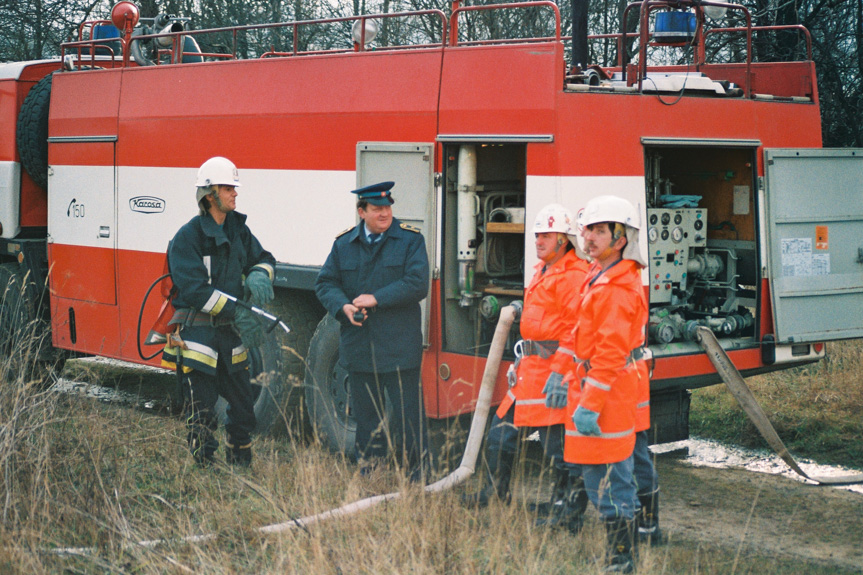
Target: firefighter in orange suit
{"points": [[533, 399], [604, 383]]}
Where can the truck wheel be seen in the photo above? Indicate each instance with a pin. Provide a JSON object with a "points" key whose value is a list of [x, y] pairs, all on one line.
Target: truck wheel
{"points": [[301, 311], [32, 131], [267, 379], [327, 392], [25, 338]]}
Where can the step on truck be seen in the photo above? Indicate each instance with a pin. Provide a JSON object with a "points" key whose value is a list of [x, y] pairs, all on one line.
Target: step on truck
{"points": [[749, 226]]}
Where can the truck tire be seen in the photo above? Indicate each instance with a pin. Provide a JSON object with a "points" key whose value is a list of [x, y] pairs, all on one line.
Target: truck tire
{"points": [[327, 392], [25, 338], [266, 373], [301, 311], [32, 131]]}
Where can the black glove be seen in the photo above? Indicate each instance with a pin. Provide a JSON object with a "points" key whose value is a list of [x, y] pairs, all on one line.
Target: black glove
{"points": [[260, 287], [249, 328]]}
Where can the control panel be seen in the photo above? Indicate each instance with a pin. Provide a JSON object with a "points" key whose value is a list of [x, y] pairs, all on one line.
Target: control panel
{"points": [[672, 234]]}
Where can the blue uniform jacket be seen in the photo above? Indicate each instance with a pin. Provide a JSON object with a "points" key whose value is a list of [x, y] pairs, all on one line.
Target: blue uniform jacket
{"points": [[207, 261], [396, 272]]}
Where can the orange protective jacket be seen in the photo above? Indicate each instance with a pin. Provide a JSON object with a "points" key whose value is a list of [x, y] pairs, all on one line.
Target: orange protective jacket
{"points": [[548, 315], [612, 316]]}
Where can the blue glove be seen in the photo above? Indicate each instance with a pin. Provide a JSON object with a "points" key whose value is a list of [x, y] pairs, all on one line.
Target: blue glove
{"points": [[555, 391], [585, 421], [260, 287], [249, 328]]}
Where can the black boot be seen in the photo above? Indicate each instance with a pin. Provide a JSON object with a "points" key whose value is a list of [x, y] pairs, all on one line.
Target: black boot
{"points": [[620, 541], [202, 444], [569, 502], [496, 485], [648, 519], [240, 455]]}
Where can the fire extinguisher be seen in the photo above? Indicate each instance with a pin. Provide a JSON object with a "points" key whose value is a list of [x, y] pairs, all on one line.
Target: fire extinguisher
{"points": [[158, 333]]}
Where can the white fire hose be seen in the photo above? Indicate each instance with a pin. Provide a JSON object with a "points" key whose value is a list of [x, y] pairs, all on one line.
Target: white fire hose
{"points": [[471, 451]]}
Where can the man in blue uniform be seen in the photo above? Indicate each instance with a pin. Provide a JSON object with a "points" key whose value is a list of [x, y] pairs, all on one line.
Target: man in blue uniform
{"points": [[208, 258], [372, 282]]}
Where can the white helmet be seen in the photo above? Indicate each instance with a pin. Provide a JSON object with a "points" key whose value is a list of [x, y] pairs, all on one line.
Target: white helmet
{"points": [[609, 209], [553, 218], [218, 171], [613, 209]]}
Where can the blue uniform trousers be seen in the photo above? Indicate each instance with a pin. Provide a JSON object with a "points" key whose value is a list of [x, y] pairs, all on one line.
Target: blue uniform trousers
{"points": [[610, 488], [646, 479], [407, 421]]}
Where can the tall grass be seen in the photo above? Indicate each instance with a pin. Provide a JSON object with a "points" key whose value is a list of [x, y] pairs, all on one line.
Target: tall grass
{"points": [[85, 482], [815, 408], [95, 479]]}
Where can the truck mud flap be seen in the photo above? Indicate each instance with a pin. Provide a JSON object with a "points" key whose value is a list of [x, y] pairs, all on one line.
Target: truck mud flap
{"points": [[741, 392]]}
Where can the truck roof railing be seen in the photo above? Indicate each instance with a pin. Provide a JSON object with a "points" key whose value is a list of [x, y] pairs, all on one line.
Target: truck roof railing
{"points": [[434, 29]]}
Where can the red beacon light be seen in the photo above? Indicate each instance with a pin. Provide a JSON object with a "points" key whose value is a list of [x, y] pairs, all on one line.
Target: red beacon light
{"points": [[125, 15]]}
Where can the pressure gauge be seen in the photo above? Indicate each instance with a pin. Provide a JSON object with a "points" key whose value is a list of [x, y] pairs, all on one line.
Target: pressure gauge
{"points": [[652, 235], [677, 235]]}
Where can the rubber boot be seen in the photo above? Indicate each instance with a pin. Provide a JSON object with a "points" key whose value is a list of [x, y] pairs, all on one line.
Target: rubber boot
{"points": [[619, 534], [567, 510], [239, 455], [203, 445], [496, 485], [647, 519]]}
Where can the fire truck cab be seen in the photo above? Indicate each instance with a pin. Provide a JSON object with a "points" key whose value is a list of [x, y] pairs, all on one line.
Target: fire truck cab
{"points": [[749, 226]]}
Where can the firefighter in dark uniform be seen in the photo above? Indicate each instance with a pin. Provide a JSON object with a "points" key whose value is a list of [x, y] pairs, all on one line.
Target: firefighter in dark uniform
{"points": [[208, 259], [372, 282]]}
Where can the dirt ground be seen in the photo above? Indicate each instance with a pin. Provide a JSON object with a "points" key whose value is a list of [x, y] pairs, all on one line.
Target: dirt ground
{"points": [[763, 513]]}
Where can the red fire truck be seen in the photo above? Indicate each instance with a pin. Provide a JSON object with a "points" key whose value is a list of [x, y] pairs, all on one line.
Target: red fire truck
{"points": [[748, 225]]}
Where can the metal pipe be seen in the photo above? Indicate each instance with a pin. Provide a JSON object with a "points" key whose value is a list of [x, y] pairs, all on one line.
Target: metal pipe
{"points": [[467, 211]]}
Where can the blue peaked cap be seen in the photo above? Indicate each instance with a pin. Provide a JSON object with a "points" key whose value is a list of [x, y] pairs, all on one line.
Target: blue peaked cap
{"points": [[376, 194]]}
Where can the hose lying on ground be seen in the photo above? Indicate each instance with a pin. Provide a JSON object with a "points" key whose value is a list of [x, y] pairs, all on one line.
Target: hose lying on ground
{"points": [[471, 451], [741, 392]]}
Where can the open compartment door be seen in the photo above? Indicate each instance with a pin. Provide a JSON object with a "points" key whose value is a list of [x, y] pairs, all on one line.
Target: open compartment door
{"points": [[411, 167], [814, 209]]}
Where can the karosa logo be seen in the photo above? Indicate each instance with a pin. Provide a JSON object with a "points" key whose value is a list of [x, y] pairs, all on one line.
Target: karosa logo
{"points": [[147, 205]]}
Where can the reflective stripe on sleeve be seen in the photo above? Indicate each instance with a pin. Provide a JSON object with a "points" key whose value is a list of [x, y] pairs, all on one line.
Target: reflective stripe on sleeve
{"points": [[643, 404], [215, 304], [267, 268]]}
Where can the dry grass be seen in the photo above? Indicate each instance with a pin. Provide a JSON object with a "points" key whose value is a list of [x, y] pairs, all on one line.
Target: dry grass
{"points": [[83, 474], [101, 478]]}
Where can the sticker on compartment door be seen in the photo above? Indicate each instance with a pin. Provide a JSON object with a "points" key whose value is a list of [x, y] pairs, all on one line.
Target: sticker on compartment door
{"points": [[822, 238], [798, 259]]}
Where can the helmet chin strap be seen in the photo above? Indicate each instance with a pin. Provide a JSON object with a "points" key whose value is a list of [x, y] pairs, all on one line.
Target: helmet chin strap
{"points": [[561, 244], [217, 199], [619, 232]]}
